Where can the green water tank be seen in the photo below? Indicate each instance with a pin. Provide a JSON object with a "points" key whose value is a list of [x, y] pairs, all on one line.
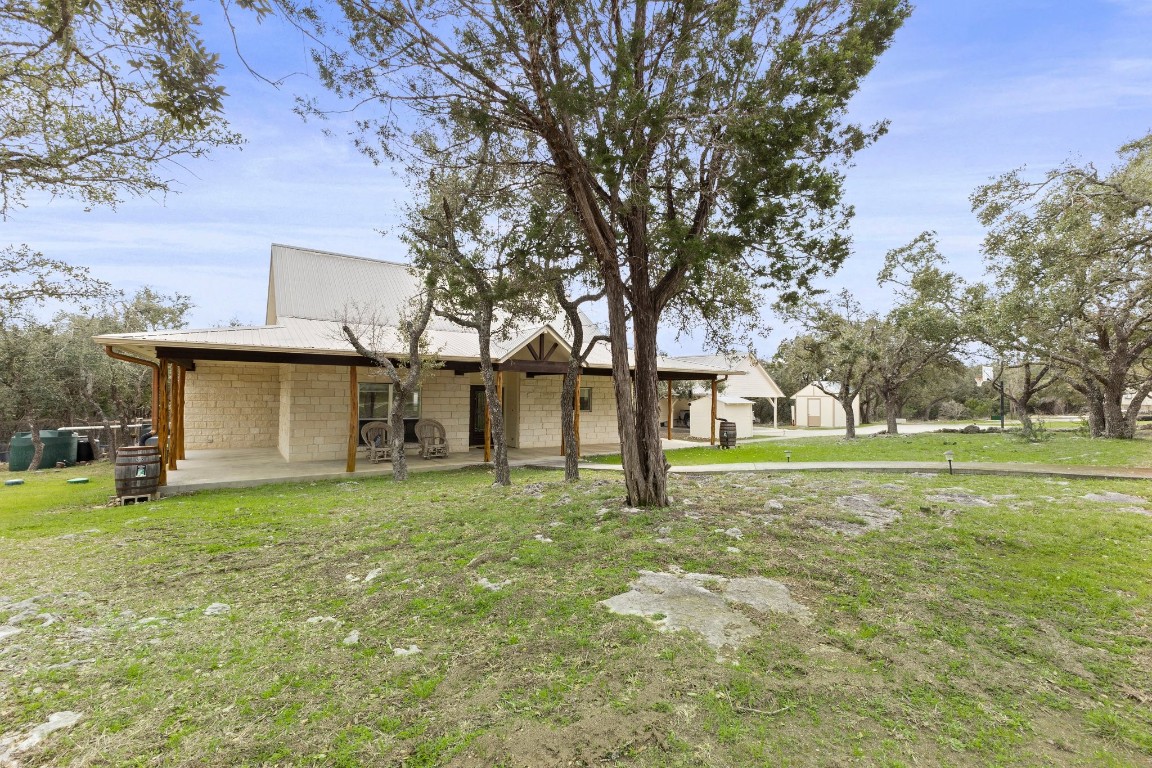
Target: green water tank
{"points": [[59, 445]]}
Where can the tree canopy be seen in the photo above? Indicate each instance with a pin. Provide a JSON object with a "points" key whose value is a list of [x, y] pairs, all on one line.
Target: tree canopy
{"points": [[99, 95], [696, 144], [1071, 263]]}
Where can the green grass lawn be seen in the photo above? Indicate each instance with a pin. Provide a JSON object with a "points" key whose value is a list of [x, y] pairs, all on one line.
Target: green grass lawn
{"points": [[1061, 447], [995, 621]]}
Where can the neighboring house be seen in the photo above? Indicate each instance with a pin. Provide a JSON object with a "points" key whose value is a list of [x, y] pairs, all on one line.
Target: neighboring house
{"points": [[754, 383], [813, 406], [295, 384]]}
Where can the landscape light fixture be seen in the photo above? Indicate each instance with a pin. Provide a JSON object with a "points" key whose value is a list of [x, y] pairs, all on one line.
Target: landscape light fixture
{"points": [[788, 456], [949, 456]]}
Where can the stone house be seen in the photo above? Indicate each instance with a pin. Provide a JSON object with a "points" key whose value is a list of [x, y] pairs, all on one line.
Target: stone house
{"points": [[295, 383]]}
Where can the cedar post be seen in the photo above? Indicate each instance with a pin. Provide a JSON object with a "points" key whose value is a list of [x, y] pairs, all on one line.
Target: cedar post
{"points": [[172, 428], [180, 411], [669, 409], [154, 415], [160, 420], [712, 440], [353, 417]]}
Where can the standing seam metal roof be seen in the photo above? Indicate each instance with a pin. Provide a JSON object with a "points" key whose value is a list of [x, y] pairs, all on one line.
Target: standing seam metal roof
{"points": [[310, 292]]}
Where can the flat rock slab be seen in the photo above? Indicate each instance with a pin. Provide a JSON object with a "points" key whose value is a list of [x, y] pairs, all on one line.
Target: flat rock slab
{"points": [[871, 511], [683, 602], [16, 744], [958, 496], [1111, 497]]}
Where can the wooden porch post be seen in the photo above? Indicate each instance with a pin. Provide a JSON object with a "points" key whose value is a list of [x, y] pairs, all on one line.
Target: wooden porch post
{"points": [[173, 429], [669, 409], [154, 413], [775, 412], [180, 411], [160, 420], [353, 417], [712, 439]]}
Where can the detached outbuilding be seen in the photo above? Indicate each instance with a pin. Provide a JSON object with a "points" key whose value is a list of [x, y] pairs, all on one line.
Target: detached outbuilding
{"points": [[728, 407], [817, 406], [754, 383]]}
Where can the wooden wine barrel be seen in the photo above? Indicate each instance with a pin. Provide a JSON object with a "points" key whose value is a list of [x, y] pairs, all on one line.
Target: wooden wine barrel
{"points": [[727, 434], [137, 470]]}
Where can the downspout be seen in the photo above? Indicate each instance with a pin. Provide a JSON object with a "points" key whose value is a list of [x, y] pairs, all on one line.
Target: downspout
{"points": [[138, 361]]}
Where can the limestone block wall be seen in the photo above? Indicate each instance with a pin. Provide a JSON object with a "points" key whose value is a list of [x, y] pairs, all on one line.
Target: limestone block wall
{"points": [[232, 405], [444, 397], [540, 412], [313, 420]]}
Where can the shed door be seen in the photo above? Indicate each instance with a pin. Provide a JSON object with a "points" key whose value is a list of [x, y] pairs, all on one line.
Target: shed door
{"points": [[813, 411]]}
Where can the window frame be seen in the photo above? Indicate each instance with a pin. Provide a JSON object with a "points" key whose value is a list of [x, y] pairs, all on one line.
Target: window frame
{"points": [[581, 393]]}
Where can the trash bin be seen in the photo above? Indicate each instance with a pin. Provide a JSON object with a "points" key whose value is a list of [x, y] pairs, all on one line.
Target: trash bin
{"points": [[85, 451]]}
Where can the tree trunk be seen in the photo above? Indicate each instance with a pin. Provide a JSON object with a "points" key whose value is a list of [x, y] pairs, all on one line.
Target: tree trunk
{"points": [[396, 434], [95, 406], [501, 471], [1095, 404], [644, 483], [891, 411], [867, 405], [502, 475], [1027, 431], [118, 438], [1115, 423], [106, 425], [651, 472], [849, 416], [1093, 399], [37, 446], [568, 419], [1133, 410]]}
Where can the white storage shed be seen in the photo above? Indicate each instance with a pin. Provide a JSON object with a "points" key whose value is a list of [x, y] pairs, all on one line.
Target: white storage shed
{"points": [[728, 407], [814, 406], [753, 384]]}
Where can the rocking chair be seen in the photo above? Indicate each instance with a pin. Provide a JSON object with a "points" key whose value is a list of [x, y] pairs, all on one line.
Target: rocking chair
{"points": [[433, 442], [377, 440]]}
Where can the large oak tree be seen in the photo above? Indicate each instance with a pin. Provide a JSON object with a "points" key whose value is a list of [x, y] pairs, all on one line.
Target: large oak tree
{"points": [[692, 140], [1070, 257]]}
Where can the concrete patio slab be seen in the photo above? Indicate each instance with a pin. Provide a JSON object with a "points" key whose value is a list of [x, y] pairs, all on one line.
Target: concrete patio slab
{"points": [[247, 467]]}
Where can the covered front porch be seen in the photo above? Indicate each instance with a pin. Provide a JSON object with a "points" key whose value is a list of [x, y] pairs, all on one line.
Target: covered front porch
{"points": [[246, 467]]}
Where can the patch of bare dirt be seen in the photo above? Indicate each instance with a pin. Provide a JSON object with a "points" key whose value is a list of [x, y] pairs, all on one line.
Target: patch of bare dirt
{"points": [[599, 737]]}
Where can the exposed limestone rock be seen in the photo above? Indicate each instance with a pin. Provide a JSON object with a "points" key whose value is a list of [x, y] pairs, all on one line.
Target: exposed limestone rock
{"points": [[16, 744], [1112, 497], [685, 602]]}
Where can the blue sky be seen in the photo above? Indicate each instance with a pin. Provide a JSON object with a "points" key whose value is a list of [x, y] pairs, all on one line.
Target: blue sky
{"points": [[973, 88]]}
